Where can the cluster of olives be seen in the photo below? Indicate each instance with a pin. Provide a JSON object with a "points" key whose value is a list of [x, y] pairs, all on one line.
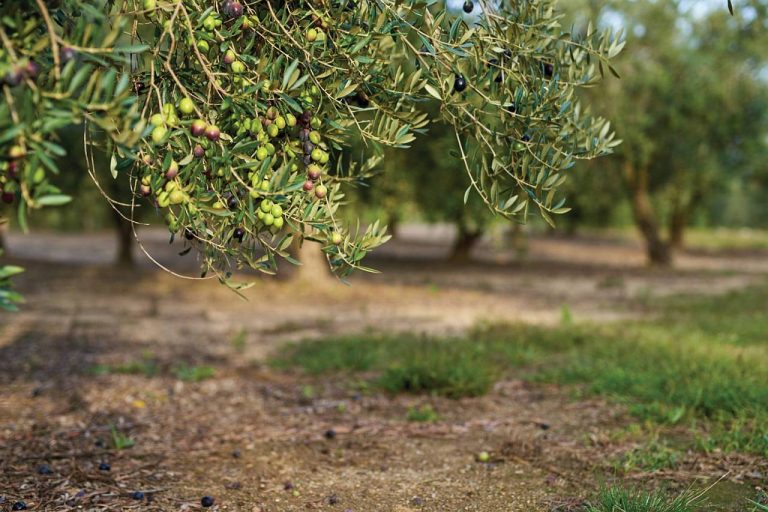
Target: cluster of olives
{"points": [[18, 72], [10, 176], [259, 189]]}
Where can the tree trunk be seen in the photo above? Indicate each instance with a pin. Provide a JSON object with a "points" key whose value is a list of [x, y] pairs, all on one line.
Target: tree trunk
{"points": [[125, 240], [2, 238], [658, 250], [314, 265], [681, 215], [393, 226], [465, 241], [678, 221]]}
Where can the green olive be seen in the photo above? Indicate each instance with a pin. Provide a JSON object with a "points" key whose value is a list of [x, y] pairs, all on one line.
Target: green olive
{"points": [[187, 106], [176, 197], [159, 134]]}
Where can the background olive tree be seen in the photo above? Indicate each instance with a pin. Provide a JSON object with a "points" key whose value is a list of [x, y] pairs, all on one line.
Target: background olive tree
{"points": [[692, 110]]}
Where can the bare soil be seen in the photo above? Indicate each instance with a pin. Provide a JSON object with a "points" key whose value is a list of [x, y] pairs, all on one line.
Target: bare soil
{"points": [[258, 440]]}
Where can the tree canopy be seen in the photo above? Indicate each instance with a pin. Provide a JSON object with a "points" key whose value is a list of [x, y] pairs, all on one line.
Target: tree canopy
{"points": [[230, 118]]}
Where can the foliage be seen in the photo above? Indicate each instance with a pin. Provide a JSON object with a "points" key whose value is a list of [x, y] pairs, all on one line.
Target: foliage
{"points": [[8, 298], [231, 118], [619, 499]]}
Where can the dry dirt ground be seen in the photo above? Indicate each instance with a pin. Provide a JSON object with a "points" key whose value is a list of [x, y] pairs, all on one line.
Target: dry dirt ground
{"points": [[254, 438]]}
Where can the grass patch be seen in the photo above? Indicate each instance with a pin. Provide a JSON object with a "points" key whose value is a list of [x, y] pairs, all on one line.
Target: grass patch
{"points": [[619, 499], [423, 414], [651, 456], [193, 373], [702, 361], [149, 367]]}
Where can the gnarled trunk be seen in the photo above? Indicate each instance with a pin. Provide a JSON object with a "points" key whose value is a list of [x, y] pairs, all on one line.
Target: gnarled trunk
{"points": [[314, 265], [657, 249], [678, 221], [125, 240], [467, 239]]}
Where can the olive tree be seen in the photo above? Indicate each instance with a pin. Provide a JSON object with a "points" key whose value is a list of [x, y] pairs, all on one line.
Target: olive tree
{"points": [[692, 109], [231, 118]]}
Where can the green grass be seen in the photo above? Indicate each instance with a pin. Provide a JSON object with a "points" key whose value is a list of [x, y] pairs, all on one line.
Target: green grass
{"points": [[701, 361], [618, 499], [760, 504], [651, 456], [423, 414], [149, 367], [193, 373], [121, 441]]}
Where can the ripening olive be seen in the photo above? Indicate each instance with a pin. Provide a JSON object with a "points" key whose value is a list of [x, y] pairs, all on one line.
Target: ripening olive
{"points": [[313, 172], [173, 170], [311, 35], [212, 132], [321, 191], [198, 127]]}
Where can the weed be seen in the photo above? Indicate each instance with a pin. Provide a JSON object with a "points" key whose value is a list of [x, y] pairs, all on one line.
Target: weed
{"points": [[423, 414], [618, 499], [121, 441], [193, 373]]}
